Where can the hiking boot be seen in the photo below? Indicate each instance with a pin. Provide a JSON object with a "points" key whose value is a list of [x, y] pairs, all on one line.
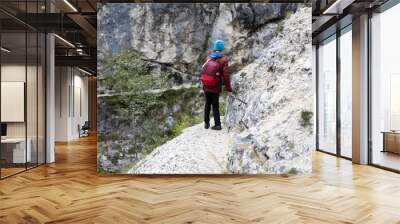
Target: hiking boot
{"points": [[216, 127], [206, 126]]}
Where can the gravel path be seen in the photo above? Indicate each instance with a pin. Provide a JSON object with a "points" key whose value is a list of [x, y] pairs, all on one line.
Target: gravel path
{"points": [[195, 151]]}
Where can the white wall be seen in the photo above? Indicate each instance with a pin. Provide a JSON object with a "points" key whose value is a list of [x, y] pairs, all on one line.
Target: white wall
{"points": [[80, 109], [33, 126], [71, 87], [14, 72], [62, 81], [17, 73], [13, 101]]}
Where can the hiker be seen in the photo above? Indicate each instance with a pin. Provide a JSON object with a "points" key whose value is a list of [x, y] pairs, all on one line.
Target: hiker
{"points": [[213, 75]]}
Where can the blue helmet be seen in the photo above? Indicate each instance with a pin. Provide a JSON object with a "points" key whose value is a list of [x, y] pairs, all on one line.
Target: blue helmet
{"points": [[218, 45]]}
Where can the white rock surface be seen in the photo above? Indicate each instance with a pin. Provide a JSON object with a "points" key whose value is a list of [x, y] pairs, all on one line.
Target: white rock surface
{"points": [[195, 151], [278, 90]]}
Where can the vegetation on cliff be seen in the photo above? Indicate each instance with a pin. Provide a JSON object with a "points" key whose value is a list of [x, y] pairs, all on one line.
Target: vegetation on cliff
{"points": [[138, 114]]}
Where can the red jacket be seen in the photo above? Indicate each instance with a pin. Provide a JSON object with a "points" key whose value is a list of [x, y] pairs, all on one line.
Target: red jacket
{"points": [[225, 75]]}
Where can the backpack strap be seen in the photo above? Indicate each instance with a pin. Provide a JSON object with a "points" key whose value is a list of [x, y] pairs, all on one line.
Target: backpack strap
{"points": [[206, 62], [221, 70], [221, 66]]}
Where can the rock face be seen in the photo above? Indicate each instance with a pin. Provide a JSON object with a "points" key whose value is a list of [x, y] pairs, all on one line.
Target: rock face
{"points": [[179, 36], [275, 125]]}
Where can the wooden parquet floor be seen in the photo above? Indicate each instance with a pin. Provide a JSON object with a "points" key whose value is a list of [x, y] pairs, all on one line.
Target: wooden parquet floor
{"points": [[70, 191]]}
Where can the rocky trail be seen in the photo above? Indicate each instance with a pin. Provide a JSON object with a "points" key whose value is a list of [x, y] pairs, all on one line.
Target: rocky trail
{"points": [[196, 150]]}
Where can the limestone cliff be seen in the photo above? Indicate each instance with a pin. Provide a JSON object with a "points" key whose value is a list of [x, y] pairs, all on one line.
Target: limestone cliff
{"points": [[274, 124], [178, 36]]}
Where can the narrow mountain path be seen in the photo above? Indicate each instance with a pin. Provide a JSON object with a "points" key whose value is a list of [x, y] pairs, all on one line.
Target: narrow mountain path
{"points": [[196, 150]]}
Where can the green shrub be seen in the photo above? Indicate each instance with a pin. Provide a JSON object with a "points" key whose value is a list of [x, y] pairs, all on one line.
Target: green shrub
{"points": [[112, 135], [133, 149], [129, 104], [293, 171], [288, 14], [183, 123], [306, 118], [100, 137], [280, 27], [128, 79], [222, 103]]}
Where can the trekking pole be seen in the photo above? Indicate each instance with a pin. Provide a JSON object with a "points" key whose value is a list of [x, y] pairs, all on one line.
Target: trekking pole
{"points": [[242, 122], [241, 119], [238, 99]]}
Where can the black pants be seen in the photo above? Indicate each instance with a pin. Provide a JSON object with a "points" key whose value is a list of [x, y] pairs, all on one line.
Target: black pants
{"points": [[212, 99]]}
